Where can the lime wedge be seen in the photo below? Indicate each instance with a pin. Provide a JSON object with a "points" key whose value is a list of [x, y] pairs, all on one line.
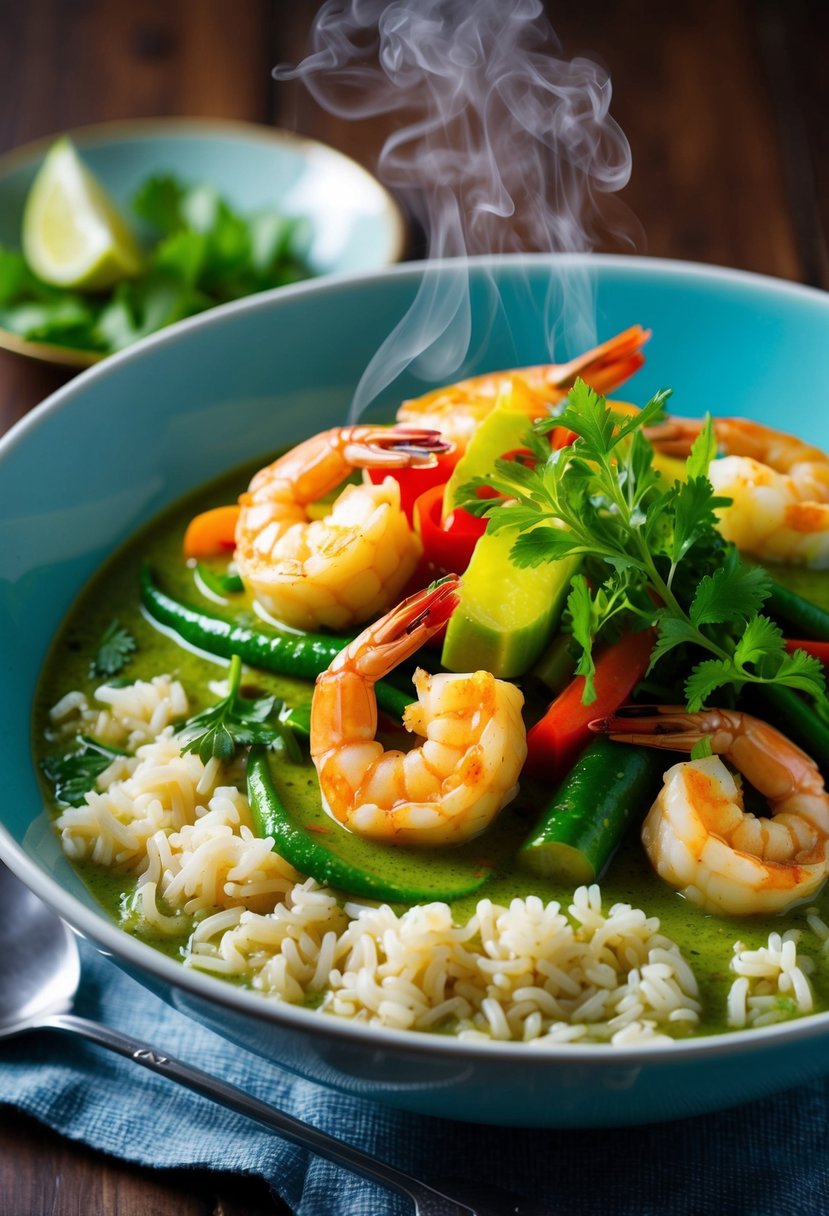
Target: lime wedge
{"points": [[73, 234]]}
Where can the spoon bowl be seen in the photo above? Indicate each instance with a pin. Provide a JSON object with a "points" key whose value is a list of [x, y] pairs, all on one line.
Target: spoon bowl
{"points": [[40, 970]]}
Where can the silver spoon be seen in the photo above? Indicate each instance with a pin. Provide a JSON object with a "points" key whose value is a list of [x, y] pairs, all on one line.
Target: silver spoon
{"points": [[39, 975]]}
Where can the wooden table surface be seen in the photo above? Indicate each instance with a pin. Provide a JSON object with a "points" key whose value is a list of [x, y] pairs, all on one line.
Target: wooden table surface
{"points": [[724, 103]]}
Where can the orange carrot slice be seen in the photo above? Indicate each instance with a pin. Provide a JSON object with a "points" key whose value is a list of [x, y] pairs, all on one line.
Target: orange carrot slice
{"points": [[212, 533]]}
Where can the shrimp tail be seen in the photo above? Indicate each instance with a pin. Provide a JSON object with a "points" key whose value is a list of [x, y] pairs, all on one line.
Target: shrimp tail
{"points": [[401, 632], [421, 615], [668, 727], [607, 366], [395, 447], [674, 436]]}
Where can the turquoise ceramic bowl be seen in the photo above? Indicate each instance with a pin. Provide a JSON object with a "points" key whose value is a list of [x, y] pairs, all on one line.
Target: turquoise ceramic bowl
{"points": [[130, 436], [355, 225]]}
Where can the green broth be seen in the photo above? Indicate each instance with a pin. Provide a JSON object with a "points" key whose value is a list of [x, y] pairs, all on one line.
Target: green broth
{"points": [[706, 940]]}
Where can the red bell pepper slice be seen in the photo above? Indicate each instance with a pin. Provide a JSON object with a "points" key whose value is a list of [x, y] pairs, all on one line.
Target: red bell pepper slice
{"points": [[561, 437], [556, 740], [416, 481], [447, 543], [818, 650]]}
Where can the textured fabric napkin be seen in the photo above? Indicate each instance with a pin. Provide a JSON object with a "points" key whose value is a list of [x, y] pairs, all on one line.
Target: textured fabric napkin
{"points": [[768, 1157]]}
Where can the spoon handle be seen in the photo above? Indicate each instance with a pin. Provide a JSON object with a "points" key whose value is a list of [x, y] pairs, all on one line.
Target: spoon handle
{"points": [[427, 1201]]}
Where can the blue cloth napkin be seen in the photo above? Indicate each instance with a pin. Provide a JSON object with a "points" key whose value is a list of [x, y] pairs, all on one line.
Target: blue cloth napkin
{"points": [[769, 1157]]}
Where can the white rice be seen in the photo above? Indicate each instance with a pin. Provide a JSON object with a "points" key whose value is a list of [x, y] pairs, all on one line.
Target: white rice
{"points": [[185, 832], [520, 972], [772, 982], [124, 717], [818, 926]]}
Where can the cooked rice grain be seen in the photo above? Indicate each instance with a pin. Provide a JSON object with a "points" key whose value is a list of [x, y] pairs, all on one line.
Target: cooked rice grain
{"points": [[131, 715], [772, 982], [172, 823]]}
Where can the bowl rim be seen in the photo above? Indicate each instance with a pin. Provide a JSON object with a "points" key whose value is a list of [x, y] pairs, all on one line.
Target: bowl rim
{"points": [[143, 958], [137, 130]]}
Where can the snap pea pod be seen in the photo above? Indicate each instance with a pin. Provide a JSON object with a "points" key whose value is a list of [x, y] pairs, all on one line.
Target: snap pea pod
{"points": [[584, 822], [291, 654], [791, 608], [371, 870]]}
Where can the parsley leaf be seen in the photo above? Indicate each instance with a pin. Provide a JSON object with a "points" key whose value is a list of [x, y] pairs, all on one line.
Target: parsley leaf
{"points": [[694, 509], [74, 773], [703, 451], [235, 722], [732, 592], [702, 748], [116, 646]]}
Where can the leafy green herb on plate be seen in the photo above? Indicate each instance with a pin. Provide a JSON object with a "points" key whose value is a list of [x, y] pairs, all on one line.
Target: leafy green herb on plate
{"points": [[200, 252]]}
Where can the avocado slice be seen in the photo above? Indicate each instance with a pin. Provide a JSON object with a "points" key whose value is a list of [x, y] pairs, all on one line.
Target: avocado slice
{"points": [[506, 615]]}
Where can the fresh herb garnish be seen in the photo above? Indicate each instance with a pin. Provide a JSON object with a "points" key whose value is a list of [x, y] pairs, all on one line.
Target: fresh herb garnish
{"points": [[653, 556], [237, 721], [116, 646], [203, 253], [74, 773]]}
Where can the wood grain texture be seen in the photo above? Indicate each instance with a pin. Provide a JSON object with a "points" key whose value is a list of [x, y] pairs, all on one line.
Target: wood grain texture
{"points": [[694, 103], [40, 1173], [724, 103]]}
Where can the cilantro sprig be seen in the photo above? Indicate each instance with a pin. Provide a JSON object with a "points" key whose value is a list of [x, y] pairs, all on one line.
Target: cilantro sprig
{"points": [[237, 721], [74, 772], [652, 554], [114, 650]]}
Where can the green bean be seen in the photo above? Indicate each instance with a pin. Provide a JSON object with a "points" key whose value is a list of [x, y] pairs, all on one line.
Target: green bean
{"points": [[305, 655], [582, 825], [805, 723], [809, 620]]}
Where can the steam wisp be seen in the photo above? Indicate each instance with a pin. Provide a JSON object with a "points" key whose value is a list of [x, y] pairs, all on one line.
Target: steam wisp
{"points": [[501, 145]]}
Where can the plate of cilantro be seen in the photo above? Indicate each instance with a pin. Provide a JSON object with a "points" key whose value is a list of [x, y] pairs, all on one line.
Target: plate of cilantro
{"points": [[112, 232]]}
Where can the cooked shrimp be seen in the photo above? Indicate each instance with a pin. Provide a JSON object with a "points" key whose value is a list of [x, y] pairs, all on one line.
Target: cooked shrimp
{"points": [[449, 787], [738, 437], [697, 834], [352, 563], [779, 487], [458, 409]]}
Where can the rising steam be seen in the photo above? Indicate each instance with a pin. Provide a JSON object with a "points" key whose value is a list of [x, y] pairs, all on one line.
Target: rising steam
{"points": [[501, 145]]}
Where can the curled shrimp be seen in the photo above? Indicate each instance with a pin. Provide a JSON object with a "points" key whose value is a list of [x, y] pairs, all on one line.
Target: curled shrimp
{"points": [[449, 787], [778, 486], [458, 409], [698, 835], [351, 564]]}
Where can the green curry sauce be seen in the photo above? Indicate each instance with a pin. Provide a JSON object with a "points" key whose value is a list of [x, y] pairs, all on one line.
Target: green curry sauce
{"points": [[706, 940]]}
